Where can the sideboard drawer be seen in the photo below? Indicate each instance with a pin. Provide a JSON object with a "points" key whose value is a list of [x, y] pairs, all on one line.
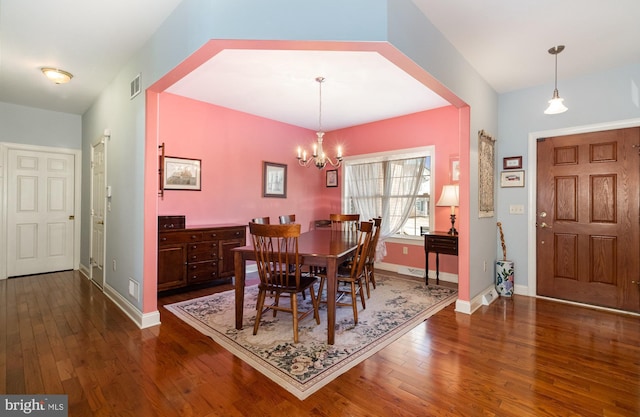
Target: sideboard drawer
{"points": [[179, 237], [225, 234]]}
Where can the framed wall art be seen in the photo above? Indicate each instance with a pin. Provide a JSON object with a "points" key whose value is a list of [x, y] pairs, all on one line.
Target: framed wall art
{"points": [[512, 162], [512, 179], [454, 168], [486, 175], [181, 174], [274, 180], [332, 178]]}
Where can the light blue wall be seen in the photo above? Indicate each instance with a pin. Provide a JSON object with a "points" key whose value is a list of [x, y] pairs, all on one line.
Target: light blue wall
{"points": [[31, 126], [194, 23], [595, 99]]}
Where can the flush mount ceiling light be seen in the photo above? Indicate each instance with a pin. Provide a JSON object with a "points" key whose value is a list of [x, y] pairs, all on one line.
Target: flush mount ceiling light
{"points": [[555, 104], [58, 76]]}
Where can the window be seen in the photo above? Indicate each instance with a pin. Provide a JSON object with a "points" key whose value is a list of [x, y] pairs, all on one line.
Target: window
{"points": [[384, 184]]}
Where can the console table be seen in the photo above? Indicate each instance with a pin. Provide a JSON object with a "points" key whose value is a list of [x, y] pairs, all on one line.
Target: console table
{"points": [[438, 242]]}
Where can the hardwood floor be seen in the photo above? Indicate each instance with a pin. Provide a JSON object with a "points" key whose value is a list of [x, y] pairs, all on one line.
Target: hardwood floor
{"points": [[518, 357]]}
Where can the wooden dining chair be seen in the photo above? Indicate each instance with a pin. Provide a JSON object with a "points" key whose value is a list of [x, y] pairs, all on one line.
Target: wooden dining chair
{"points": [[350, 278], [287, 219], [276, 248], [345, 222], [369, 275], [261, 220]]}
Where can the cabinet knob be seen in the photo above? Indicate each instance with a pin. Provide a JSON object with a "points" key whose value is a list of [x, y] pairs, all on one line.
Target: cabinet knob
{"points": [[193, 236], [163, 239]]}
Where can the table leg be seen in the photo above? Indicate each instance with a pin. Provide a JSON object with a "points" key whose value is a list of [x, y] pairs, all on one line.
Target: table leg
{"points": [[426, 268], [240, 270], [437, 268], [332, 292]]}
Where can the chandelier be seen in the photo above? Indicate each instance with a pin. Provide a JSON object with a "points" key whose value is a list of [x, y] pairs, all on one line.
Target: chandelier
{"points": [[319, 158]]}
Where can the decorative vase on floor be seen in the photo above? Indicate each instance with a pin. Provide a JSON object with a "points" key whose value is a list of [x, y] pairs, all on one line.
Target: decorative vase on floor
{"points": [[504, 278]]}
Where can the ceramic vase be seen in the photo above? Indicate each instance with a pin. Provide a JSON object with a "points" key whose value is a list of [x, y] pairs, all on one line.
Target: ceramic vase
{"points": [[504, 278]]}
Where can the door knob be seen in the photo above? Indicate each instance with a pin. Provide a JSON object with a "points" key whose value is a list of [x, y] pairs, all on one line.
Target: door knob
{"points": [[543, 214]]}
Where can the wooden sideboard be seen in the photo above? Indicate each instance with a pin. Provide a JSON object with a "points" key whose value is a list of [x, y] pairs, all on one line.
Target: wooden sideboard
{"points": [[197, 255]]}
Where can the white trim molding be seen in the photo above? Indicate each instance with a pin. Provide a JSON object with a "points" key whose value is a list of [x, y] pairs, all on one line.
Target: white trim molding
{"points": [[142, 320]]}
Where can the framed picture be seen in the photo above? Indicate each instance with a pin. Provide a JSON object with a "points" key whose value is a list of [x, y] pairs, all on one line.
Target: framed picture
{"points": [[512, 179], [454, 168], [181, 174], [512, 162], [274, 180], [332, 178]]}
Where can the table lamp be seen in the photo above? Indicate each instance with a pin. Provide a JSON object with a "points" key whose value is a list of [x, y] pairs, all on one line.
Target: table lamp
{"points": [[449, 197]]}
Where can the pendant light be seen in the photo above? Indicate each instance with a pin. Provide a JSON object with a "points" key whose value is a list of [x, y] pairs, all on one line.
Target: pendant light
{"points": [[555, 104]]}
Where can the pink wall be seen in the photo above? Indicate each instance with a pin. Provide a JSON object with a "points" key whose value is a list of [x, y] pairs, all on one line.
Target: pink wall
{"points": [[232, 146], [439, 127]]}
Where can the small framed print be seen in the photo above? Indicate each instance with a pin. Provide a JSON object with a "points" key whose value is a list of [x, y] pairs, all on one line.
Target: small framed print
{"points": [[274, 180], [181, 174], [512, 179], [332, 178], [512, 162], [454, 168]]}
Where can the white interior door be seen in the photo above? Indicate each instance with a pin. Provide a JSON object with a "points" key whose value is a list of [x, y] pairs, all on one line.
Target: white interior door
{"points": [[40, 212], [98, 218]]}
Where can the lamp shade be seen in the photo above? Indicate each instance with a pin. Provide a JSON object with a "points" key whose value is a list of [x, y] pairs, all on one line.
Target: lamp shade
{"points": [[449, 196], [555, 105]]}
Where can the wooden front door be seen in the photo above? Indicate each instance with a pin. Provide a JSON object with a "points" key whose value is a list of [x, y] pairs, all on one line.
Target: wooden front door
{"points": [[588, 218]]}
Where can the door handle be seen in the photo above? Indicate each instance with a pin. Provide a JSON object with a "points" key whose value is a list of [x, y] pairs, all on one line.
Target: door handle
{"points": [[71, 217], [100, 222], [543, 225]]}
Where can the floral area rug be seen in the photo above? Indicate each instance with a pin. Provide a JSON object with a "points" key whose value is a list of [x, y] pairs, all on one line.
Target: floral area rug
{"points": [[396, 306]]}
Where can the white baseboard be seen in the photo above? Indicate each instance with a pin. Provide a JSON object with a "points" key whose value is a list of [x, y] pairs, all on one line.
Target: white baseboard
{"points": [[486, 297], [141, 320], [84, 270]]}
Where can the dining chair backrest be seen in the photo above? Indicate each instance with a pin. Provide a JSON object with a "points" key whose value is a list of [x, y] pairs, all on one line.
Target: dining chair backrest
{"points": [[276, 248], [365, 235], [287, 219], [261, 220], [377, 222], [347, 222], [322, 224]]}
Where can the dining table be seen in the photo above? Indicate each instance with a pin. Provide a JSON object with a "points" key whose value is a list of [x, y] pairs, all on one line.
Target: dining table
{"points": [[325, 248]]}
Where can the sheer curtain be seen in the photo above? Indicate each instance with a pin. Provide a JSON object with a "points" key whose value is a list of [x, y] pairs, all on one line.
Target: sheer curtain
{"points": [[385, 188]]}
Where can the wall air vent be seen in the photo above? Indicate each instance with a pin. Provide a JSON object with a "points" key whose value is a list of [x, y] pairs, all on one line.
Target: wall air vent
{"points": [[135, 87]]}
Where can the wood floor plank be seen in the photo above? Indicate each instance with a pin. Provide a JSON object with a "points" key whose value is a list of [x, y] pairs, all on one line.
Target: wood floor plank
{"points": [[517, 357]]}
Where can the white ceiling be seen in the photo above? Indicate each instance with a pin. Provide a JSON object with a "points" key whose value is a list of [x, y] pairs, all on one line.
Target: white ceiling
{"points": [[506, 41], [359, 87]]}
